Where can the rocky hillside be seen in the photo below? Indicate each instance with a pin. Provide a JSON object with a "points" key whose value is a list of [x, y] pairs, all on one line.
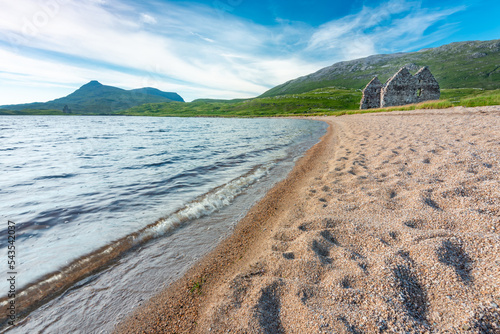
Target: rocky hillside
{"points": [[95, 98], [474, 64]]}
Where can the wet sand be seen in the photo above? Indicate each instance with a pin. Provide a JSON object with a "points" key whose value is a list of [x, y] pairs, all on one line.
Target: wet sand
{"points": [[390, 224]]}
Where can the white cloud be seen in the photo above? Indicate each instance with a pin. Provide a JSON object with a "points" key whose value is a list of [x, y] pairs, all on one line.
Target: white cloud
{"points": [[206, 39], [393, 26], [187, 48], [146, 18]]}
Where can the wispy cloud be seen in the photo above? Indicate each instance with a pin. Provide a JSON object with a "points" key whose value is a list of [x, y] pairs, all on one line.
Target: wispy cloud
{"points": [[146, 18], [397, 25], [198, 51]]}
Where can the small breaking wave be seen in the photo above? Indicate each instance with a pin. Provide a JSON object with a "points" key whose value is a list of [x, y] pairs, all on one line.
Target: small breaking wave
{"points": [[57, 282], [205, 205]]}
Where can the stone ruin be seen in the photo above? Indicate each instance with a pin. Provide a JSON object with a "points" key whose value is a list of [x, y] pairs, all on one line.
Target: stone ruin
{"points": [[371, 94], [402, 88]]}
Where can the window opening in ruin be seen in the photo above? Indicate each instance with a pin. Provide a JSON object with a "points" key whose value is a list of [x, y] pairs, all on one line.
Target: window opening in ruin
{"points": [[419, 92]]}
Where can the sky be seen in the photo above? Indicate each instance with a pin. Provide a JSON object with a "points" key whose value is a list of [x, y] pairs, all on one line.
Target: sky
{"points": [[213, 48]]}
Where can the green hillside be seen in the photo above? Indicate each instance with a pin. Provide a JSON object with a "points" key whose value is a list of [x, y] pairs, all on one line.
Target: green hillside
{"points": [[468, 73], [95, 98], [5, 112], [323, 101], [318, 101], [473, 64]]}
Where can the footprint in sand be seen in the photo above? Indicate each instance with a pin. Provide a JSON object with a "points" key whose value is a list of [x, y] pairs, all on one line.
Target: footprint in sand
{"points": [[413, 295], [322, 251], [452, 254]]}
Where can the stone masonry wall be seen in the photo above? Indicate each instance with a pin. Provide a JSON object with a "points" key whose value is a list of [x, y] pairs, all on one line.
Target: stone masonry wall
{"points": [[428, 87], [402, 88], [399, 90], [371, 94]]}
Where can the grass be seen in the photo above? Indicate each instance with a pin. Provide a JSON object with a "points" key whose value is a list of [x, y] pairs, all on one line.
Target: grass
{"points": [[489, 98], [197, 286], [456, 98], [314, 102], [96, 99], [323, 101], [32, 112], [457, 65]]}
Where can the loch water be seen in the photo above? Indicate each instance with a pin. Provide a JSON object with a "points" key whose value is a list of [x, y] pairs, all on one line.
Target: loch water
{"points": [[174, 187]]}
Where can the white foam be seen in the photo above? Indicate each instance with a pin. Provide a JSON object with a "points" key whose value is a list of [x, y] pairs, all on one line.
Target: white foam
{"points": [[204, 206]]}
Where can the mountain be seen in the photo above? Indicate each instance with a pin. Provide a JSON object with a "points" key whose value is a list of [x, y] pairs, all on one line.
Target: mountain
{"points": [[474, 64], [156, 92], [96, 98]]}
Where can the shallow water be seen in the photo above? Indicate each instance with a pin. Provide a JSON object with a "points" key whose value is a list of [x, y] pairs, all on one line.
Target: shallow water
{"points": [[175, 186]]}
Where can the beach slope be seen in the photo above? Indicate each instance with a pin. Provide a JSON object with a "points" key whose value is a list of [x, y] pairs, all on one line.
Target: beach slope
{"points": [[390, 224]]}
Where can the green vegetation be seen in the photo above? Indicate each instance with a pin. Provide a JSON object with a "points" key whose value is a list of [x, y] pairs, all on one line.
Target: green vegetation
{"points": [[324, 101], [473, 64], [465, 70], [197, 286], [468, 73], [453, 98], [97, 99], [31, 112], [456, 95], [488, 98]]}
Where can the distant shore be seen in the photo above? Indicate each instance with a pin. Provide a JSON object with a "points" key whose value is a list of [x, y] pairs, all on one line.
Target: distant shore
{"points": [[389, 223]]}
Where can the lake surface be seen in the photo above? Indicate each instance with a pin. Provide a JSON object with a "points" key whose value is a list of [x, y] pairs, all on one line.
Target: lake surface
{"points": [[168, 188]]}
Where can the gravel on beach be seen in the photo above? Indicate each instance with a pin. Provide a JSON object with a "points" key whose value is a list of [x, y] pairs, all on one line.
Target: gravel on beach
{"points": [[390, 224]]}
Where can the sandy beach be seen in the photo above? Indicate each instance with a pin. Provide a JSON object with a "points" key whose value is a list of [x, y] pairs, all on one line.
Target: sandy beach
{"points": [[390, 224]]}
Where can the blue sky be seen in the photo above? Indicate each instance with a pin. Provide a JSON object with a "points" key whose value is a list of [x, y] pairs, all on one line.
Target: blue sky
{"points": [[213, 48]]}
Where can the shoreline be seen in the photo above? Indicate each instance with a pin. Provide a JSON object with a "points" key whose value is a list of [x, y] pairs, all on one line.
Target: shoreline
{"points": [[232, 253], [389, 223], [96, 269]]}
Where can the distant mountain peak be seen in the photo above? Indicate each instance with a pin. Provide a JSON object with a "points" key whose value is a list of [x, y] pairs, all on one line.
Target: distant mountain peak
{"points": [[92, 84], [96, 98]]}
